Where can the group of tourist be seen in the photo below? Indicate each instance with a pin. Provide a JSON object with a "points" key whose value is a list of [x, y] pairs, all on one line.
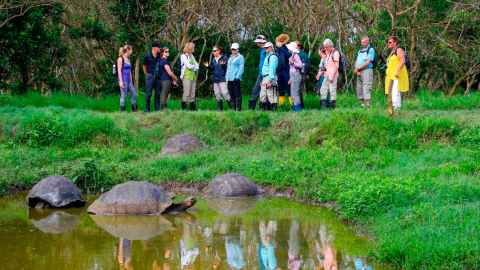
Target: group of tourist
{"points": [[284, 70]]}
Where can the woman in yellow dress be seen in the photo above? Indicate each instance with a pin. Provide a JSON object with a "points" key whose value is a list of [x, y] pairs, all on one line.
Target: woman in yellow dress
{"points": [[396, 71]]}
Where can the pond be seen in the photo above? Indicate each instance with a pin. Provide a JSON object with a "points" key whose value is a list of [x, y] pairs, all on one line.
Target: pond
{"points": [[244, 233]]}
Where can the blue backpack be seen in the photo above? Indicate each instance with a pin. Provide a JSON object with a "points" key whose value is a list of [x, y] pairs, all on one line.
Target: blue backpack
{"points": [[407, 60]]}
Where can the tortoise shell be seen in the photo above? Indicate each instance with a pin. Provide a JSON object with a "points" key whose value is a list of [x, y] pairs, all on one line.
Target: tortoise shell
{"points": [[231, 185], [55, 191]]}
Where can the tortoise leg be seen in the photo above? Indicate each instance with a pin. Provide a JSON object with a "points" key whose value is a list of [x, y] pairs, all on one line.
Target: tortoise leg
{"points": [[182, 206], [40, 205]]}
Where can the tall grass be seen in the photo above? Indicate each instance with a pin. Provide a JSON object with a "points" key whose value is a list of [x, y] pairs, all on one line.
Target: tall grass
{"points": [[412, 181]]}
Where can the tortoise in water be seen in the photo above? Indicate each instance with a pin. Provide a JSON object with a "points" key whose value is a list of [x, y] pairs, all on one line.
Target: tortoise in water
{"points": [[55, 192], [231, 185], [181, 144], [138, 198]]}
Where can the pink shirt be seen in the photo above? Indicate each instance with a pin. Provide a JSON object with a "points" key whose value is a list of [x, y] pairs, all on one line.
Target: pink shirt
{"points": [[297, 63], [330, 61]]}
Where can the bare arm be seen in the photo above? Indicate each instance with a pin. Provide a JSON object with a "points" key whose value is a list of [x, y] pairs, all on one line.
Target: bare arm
{"points": [[170, 73], [119, 71], [144, 69], [401, 57]]}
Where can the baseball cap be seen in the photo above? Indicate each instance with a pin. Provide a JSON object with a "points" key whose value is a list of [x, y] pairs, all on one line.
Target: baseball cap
{"points": [[261, 39], [156, 44], [268, 44], [235, 46]]}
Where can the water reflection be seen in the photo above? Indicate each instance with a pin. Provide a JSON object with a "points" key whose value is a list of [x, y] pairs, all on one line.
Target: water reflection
{"points": [[266, 236], [54, 221], [232, 206]]}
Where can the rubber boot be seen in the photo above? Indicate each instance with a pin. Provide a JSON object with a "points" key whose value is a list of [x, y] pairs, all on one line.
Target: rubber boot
{"points": [[220, 105], [252, 104], [301, 102], [134, 108], [232, 104], [184, 105], [123, 108], [333, 104], [281, 100], [323, 104], [297, 108], [192, 106], [239, 104], [262, 106], [274, 107], [157, 104], [290, 101], [163, 106], [147, 105]]}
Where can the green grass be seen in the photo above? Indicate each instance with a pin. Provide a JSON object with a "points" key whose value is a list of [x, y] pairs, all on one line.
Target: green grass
{"points": [[412, 181]]}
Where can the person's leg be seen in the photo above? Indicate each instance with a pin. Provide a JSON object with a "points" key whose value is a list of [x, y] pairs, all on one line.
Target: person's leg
{"points": [[367, 85], [238, 93], [286, 78], [133, 96], [149, 83], [158, 91], [224, 91], [166, 86], [324, 91], [295, 80], [273, 91], [193, 106], [263, 95], [281, 88], [333, 92], [233, 98], [301, 90], [217, 91], [123, 96], [256, 89], [187, 83], [396, 96], [360, 89]]}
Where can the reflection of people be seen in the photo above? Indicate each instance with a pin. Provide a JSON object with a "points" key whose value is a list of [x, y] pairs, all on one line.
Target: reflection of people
{"points": [[125, 253], [294, 262], [234, 253], [328, 253], [361, 265], [266, 251], [188, 245]]}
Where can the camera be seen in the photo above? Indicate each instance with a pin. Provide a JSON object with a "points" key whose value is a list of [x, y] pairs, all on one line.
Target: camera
{"points": [[383, 67]]}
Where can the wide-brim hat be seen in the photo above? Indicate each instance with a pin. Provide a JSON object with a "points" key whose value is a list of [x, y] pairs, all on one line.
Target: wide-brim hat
{"points": [[268, 44], [235, 46], [292, 46], [283, 38], [260, 39]]}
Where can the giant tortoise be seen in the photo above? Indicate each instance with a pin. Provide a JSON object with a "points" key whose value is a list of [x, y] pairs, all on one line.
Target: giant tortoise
{"points": [[231, 185], [138, 198], [55, 192]]}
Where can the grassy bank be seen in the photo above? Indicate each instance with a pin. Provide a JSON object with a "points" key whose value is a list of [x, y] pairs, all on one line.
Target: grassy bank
{"points": [[413, 182]]}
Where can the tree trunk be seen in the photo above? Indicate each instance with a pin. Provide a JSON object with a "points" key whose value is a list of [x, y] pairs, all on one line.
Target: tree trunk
{"points": [[137, 74]]}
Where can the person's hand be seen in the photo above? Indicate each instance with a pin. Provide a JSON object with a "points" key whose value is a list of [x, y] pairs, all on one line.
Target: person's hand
{"points": [[269, 85], [223, 63], [318, 77], [279, 44], [397, 74], [290, 59], [358, 73], [205, 64], [121, 84], [307, 77], [331, 80], [289, 81], [261, 83]]}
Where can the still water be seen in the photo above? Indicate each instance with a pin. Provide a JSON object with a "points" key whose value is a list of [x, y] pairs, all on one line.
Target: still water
{"points": [[246, 233]]}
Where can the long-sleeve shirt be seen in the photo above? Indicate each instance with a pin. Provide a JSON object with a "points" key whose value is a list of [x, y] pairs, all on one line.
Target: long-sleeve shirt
{"points": [[235, 68], [269, 66], [185, 59], [297, 64], [262, 59]]}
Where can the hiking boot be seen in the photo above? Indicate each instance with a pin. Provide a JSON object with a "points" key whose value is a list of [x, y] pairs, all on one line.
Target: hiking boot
{"points": [[323, 104], [192, 106], [333, 104], [184, 105], [232, 104], [297, 108], [262, 106], [123, 108], [220, 105], [301, 102], [134, 108], [239, 104], [274, 107], [156, 103], [252, 104]]}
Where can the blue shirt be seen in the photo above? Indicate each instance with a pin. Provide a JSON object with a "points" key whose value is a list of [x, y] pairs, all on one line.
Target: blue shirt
{"points": [[163, 73], [262, 59], [269, 66], [151, 62], [364, 55], [235, 67]]}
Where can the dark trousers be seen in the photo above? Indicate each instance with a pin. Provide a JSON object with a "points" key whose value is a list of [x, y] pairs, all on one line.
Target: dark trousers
{"points": [[235, 90], [150, 83], [282, 83], [257, 88], [166, 86]]}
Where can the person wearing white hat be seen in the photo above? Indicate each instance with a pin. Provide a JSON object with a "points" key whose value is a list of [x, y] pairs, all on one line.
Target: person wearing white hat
{"points": [[268, 92], [235, 69], [295, 66], [260, 40]]}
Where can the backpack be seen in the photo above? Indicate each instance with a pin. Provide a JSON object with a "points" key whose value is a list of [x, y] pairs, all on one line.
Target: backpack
{"points": [[302, 70], [281, 62], [157, 70], [180, 64], [342, 62], [374, 62], [115, 71], [407, 60]]}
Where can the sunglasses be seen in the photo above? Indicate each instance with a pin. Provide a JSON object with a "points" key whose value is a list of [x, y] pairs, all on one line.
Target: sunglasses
{"points": [[167, 51], [233, 49], [215, 50], [390, 42]]}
